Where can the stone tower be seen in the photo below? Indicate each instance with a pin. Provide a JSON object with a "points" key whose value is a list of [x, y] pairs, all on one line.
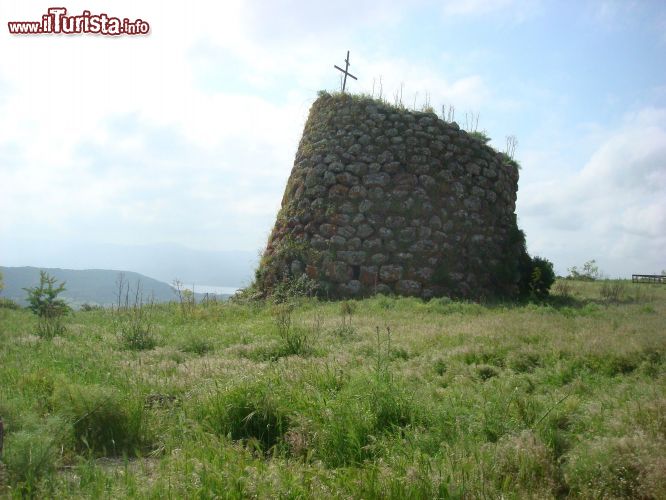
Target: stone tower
{"points": [[386, 200]]}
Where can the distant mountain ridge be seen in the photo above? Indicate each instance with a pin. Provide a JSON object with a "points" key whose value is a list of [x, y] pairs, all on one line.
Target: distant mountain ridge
{"points": [[163, 262], [91, 286]]}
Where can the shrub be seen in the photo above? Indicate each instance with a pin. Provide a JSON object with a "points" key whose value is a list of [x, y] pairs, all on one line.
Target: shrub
{"points": [[291, 288], [134, 325], [247, 412], [49, 328], [91, 307], [295, 339], [617, 467], [186, 298], [135, 333], [44, 302], [6, 303], [43, 299], [38, 384], [563, 288], [486, 372], [525, 461], [440, 367], [197, 345], [542, 277], [133, 319], [612, 291], [367, 408], [102, 421], [523, 361], [31, 456], [346, 329], [536, 275], [480, 136], [590, 272]]}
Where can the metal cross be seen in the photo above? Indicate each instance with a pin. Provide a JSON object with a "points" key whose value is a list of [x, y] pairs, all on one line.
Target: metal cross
{"points": [[347, 73]]}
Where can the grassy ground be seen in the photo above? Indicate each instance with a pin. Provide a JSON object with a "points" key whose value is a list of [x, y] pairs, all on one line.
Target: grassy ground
{"points": [[381, 398]]}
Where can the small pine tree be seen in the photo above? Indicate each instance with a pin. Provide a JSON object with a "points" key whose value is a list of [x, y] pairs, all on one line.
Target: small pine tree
{"points": [[44, 302]]}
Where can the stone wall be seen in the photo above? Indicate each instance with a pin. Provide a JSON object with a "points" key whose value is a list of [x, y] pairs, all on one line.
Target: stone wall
{"points": [[386, 200]]}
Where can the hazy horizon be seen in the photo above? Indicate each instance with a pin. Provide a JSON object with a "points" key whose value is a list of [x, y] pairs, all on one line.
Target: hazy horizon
{"points": [[163, 262]]}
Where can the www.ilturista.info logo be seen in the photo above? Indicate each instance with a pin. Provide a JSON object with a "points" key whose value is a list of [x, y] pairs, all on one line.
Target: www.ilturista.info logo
{"points": [[56, 21]]}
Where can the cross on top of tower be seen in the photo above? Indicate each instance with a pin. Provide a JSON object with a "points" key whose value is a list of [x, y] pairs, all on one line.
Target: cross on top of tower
{"points": [[345, 71]]}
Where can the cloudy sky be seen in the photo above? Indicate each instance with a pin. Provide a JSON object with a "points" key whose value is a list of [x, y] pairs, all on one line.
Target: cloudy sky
{"points": [[187, 135]]}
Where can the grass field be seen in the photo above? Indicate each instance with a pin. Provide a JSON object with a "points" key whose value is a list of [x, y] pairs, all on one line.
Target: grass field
{"points": [[380, 398]]}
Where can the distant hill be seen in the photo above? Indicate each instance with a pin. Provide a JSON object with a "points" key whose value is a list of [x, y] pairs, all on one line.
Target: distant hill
{"points": [[164, 262], [92, 286]]}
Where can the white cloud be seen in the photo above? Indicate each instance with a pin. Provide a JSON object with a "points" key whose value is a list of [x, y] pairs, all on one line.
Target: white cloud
{"points": [[613, 209], [188, 135], [132, 139]]}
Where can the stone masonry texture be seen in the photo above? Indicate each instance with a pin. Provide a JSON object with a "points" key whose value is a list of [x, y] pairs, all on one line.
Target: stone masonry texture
{"points": [[385, 200]]}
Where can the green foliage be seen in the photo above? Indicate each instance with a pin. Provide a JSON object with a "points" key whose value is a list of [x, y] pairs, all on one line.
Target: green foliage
{"points": [[486, 372], [43, 299], [44, 302], [590, 272], [197, 345], [480, 136], [440, 366], [525, 461], [134, 326], [362, 413], [186, 298], [248, 412], [563, 288], [293, 288], [6, 303], [545, 399], [508, 161], [295, 339], [103, 422], [133, 319], [613, 291], [91, 307], [542, 277], [275, 278], [345, 329], [31, 457], [513, 267], [617, 467], [536, 275], [523, 361]]}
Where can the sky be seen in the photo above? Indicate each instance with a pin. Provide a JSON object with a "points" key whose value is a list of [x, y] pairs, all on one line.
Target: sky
{"points": [[187, 135]]}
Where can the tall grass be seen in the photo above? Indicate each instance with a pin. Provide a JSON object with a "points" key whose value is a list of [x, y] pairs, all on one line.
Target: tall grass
{"points": [[102, 421], [437, 399]]}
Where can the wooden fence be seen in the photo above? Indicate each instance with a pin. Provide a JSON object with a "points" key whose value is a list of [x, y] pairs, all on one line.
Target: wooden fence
{"points": [[648, 278]]}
